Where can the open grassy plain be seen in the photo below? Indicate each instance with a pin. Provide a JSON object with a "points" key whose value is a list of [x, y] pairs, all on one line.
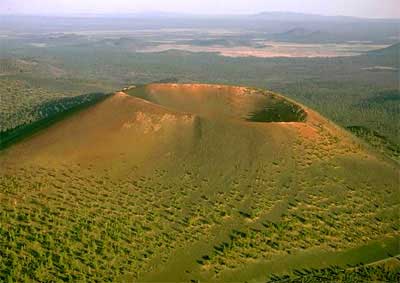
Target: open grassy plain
{"points": [[192, 182]]}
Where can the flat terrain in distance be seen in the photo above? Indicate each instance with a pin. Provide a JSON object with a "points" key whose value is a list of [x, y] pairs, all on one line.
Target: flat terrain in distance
{"points": [[268, 49]]}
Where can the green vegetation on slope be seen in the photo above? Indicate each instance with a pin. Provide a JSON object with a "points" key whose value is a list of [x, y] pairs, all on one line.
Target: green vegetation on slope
{"points": [[171, 196], [374, 110], [378, 141], [363, 273]]}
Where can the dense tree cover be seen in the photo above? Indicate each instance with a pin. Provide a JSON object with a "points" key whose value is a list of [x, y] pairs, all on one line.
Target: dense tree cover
{"points": [[362, 273]]}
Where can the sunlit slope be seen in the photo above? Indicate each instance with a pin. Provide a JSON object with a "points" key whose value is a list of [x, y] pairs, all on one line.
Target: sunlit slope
{"points": [[177, 183], [221, 102], [120, 127]]}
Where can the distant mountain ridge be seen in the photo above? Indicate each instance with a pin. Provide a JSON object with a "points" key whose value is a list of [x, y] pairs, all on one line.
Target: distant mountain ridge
{"points": [[267, 15], [292, 16], [280, 26], [303, 35]]}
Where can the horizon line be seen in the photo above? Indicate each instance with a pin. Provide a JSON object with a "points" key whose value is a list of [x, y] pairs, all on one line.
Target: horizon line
{"points": [[180, 14]]}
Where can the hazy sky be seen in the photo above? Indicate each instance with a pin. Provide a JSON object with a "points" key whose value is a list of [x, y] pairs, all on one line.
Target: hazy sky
{"points": [[360, 8]]}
